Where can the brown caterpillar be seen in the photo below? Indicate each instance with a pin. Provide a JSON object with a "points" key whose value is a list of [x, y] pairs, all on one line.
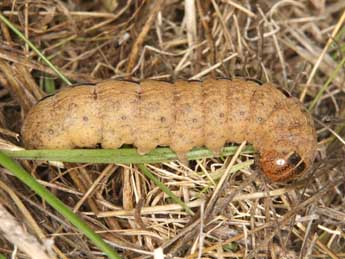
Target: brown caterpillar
{"points": [[181, 115]]}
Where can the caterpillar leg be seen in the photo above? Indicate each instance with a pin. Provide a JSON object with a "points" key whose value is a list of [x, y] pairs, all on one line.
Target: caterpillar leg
{"points": [[182, 157]]}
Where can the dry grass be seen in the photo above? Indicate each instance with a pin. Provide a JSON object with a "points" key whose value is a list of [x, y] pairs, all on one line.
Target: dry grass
{"points": [[297, 44]]}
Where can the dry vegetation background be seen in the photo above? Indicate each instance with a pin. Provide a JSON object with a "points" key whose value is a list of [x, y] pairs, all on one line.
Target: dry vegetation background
{"points": [[280, 41]]}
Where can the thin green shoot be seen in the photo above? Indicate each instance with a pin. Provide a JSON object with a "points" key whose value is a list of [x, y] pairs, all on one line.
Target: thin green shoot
{"points": [[326, 85], [118, 156], [34, 48], [57, 204]]}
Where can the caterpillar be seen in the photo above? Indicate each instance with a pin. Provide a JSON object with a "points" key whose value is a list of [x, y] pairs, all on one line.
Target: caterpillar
{"points": [[182, 115]]}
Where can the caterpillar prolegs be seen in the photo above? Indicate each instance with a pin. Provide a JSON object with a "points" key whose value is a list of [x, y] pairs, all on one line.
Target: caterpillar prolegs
{"points": [[182, 115]]}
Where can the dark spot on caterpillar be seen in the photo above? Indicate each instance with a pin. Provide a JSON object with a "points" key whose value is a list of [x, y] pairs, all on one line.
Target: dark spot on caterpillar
{"points": [[124, 117], [163, 119], [259, 119], [221, 115], [194, 120], [72, 106], [51, 132], [85, 118], [210, 135], [296, 161]]}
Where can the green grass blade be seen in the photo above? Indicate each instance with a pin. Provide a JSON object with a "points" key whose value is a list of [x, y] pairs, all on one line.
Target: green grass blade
{"points": [[326, 85], [123, 156], [58, 205], [165, 189], [118, 156], [34, 48], [49, 85]]}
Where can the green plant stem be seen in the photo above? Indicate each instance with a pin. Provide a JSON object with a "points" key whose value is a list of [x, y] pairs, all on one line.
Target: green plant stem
{"points": [[58, 205], [326, 85], [34, 48], [118, 156]]}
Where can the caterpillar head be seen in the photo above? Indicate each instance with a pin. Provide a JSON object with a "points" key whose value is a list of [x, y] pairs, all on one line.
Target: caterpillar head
{"points": [[279, 166]]}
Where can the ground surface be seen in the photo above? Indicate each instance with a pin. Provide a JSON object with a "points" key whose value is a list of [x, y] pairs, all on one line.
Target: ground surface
{"points": [[296, 44]]}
